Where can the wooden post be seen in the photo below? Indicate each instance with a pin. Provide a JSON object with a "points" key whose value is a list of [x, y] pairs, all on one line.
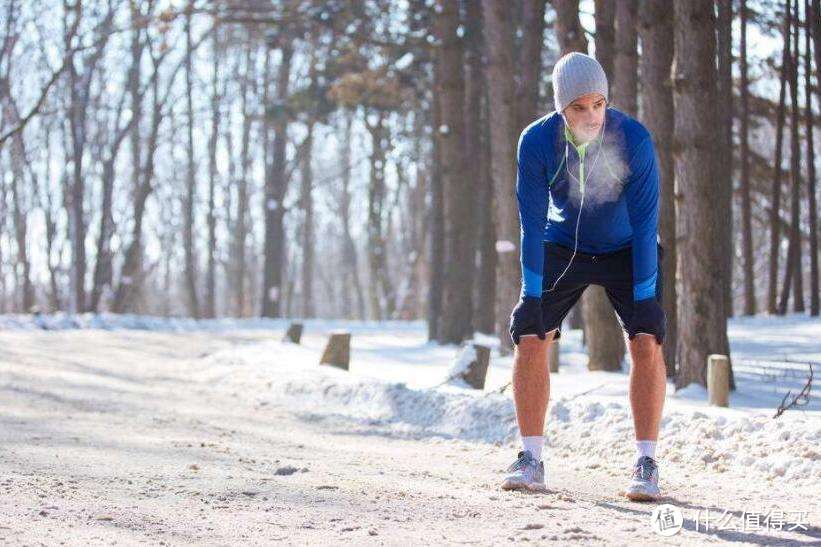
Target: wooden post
{"points": [[294, 333], [718, 380], [476, 372], [338, 350], [553, 356]]}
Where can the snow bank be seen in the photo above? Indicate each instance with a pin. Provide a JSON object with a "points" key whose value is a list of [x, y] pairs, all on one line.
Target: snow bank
{"points": [[112, 321], [586, 430]]}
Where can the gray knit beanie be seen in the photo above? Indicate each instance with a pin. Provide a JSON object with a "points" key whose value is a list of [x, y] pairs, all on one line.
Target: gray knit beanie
{"points": [[574, 75]]}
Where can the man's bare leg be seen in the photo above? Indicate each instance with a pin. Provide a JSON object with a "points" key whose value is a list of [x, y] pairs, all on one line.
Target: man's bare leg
{"points": [[647, 389], [531, 391], [531, 383], [648, 382]]}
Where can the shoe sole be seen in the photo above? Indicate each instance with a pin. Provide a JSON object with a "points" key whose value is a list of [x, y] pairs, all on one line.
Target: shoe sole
{"points": [[507, 485], [642, 496]]}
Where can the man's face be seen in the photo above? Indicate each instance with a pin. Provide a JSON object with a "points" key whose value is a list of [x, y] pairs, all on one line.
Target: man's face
{"points": [[585, 116]]}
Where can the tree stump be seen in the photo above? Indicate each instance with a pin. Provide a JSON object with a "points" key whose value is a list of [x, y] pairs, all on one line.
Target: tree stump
{"points": [[471, 365], [294, 333], [718, 380], [338, 350], [553, 356]]}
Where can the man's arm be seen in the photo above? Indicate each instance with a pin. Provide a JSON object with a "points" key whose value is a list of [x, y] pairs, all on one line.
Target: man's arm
{"points": [[531, 193], [642, 208]]}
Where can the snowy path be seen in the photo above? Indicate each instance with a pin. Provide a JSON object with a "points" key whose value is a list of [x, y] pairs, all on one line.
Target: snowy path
{"points": [[145, 437]]}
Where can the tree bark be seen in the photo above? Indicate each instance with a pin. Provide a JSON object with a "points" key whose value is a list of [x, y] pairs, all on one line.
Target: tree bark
{"points": [[703, 320], [191, 184], [569, 30], [605, 15], [813, 17], [530, 61], [655, 30], [307, 202], [793, 276], [775, 232], [276, 183], [746, 207], [725, 174], [457, 303], [625, 85], [501, 92], [478, 139], [213, 174]]}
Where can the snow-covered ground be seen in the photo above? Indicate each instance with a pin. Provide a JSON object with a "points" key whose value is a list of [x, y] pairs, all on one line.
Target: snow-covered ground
{"points": [[399, 382], [193, 413]]}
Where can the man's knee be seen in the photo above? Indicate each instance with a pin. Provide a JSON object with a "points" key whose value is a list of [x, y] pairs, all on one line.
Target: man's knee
{"points": [[530, 344], [645, 349]]}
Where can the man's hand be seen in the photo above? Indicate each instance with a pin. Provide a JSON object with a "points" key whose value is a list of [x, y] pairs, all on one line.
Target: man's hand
{"points": [[527, 318], [648, 317]]}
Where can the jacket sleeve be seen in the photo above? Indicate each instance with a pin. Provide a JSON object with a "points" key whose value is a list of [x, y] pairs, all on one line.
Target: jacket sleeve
{"points": [[532, 196], [642, 208]]}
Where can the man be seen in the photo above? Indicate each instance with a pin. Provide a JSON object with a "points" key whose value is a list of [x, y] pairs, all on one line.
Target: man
{"points": [[587, 189]]}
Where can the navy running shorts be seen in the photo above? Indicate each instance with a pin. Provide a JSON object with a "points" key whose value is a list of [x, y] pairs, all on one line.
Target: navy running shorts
{"points": [[613, 271]]}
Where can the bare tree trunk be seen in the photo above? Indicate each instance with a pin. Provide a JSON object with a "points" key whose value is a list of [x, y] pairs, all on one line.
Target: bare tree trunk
{"points": [[775, 234], [131, 274], [351, 266], [501, 93], [625, 85], [605, 15], [19, 201], [307, 203], [211, 220], [79, 87], [812, 17], [724, 184], [382, 297], [793, 274], [703, 320], [437, 228], [569, 30], [275, 187], [530, 57], [655, 30], [458, 306], [746, 207], [191, 184], [477, 135], [240, 234]]}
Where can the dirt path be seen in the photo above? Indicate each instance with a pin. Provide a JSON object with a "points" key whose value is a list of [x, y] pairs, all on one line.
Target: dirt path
{"points": [[105, 438]]}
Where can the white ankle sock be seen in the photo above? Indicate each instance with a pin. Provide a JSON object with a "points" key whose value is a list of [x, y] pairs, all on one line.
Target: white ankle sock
{"points": [[534, 445], [645, 448]]}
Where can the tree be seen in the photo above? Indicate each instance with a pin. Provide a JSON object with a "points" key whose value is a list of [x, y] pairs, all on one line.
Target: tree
{"points": [[498, 26], [724, 43], [605, 40], [792, 276], [702, 317], [655, 29], [191, 182], [812, 18], [457, 309], [569, 30], [276, 182], [775, 199], [746, 205]]}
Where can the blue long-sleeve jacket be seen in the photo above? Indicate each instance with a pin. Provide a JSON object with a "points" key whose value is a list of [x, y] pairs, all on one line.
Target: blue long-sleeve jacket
{"points": [[621, 189]]}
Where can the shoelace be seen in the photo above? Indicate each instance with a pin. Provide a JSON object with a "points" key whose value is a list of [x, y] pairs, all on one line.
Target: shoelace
{"points": [[644, 468], [522, 460]]}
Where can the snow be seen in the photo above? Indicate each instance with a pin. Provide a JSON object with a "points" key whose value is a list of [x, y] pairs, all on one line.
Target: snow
{"points": [[505, 246], [398, 385]]}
